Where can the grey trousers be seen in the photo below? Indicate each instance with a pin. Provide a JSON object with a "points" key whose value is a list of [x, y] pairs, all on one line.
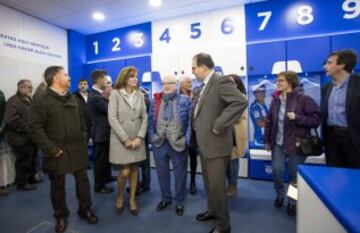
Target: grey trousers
{"points": [[214, 172]]}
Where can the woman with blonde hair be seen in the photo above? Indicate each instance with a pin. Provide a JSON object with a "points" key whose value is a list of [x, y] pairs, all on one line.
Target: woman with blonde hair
{"points": [[128, 121], [240, 142]]}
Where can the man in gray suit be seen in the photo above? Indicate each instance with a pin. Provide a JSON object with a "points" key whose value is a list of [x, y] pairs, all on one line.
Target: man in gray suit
{"points": [[220, 106]]}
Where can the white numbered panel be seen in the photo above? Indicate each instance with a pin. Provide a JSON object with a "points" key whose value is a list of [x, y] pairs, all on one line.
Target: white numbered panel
{"points": [[220, 33], [205, 30]]}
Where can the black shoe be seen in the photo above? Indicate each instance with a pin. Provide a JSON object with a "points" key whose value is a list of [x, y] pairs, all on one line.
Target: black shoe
{"points": [[36, 180], [119, 210], [193, 189], [278, 202], [162, 205], [203, 217], [291, 209], [134, 212], [179, 209], [111, 179], [26, 187], [214, 230], [104, 190], [61, 224], [4, 192], [88, 216], [144, 188]]}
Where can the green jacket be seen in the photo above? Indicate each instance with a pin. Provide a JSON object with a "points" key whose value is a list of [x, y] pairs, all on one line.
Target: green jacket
{"points": [[55, 123]]}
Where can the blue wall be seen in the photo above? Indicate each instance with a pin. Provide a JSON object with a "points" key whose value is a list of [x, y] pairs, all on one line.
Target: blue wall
{"points": [[76, 57]]}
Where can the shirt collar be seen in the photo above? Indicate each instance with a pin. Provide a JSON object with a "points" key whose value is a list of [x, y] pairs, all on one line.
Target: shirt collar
{"points": [[207, 79], [343, 82], [122, 90], [97, 89]]}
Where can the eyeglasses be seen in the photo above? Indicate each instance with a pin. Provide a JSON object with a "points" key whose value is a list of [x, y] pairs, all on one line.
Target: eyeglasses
{"points": [[168, 83]]}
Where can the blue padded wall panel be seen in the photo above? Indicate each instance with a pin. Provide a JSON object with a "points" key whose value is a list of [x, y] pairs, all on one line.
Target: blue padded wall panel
{"points": [[311, 53], [143, 64], [114, 67], [76, 57], [261, 57]]}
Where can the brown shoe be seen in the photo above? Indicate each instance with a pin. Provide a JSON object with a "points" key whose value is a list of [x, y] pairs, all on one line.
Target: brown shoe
{"points": [[61, 224], [88, 216], [231, 191]]}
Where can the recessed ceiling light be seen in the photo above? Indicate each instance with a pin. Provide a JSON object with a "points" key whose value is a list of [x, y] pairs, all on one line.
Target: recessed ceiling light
{"points": [[155, 3], [98, 16]]}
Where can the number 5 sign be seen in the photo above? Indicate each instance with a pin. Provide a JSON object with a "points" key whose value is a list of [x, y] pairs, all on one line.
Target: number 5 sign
{"points": [[200, 31]]}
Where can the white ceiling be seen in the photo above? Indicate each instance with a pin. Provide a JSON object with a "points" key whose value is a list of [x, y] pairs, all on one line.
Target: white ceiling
{"points": [[76, 14]]}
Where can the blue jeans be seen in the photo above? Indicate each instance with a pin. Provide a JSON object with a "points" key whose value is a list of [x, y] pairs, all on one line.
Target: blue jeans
{"points": [[162, 156], [232, 172], [279, 157]]}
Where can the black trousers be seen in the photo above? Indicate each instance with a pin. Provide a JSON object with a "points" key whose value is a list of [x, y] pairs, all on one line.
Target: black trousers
{"points": [[193, 163], [340, 150], [57, 193], [102, 167], [145, 169], [25, 164]]}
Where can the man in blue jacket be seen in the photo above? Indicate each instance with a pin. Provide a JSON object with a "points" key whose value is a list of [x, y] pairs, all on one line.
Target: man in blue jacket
{"points": [[169, 133]]}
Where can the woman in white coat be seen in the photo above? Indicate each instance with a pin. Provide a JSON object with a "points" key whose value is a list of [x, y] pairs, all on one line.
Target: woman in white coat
{"points": [[128, 120]]}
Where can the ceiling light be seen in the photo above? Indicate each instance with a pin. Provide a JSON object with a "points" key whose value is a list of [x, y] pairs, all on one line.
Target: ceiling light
{"points": [[98, 16], [155, 3]]}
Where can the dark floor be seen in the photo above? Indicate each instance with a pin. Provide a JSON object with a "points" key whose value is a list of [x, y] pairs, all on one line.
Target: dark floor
{"points": [[251, 211]]}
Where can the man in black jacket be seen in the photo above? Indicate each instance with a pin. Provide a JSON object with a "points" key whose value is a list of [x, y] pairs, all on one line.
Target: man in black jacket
{"points": [[98, 110], [16, 119], [57, 127], [340, 105]]}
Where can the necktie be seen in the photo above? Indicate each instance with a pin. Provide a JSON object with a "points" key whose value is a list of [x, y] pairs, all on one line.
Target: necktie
{"points": [[197, 99]]}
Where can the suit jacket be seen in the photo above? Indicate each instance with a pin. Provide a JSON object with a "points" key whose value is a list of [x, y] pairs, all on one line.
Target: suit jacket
{"points": [[220, 106], [98, 110], [127, 122], [85, 112], [352, 107]]}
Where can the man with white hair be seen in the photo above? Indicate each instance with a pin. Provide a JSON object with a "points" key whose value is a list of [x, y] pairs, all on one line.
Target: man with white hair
{"points": [[169, 133]]}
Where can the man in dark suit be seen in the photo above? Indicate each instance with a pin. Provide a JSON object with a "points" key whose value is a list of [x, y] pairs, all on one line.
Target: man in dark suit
{"points": [[220, 105], [98, 110], [340, 105], [81, 97]]}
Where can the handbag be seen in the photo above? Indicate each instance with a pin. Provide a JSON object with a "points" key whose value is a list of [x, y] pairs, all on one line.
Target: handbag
{"points": [[310, 145]]}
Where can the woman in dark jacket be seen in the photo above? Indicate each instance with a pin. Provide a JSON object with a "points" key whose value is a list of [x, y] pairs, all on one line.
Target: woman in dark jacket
{"points": [[292, 114]]}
